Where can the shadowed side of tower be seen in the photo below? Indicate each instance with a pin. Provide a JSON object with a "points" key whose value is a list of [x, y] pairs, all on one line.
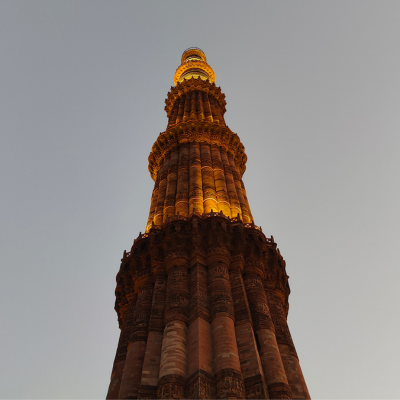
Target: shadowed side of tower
{"points": [[202, 297]]}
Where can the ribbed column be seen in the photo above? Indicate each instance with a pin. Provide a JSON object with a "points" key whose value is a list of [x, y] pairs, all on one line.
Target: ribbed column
{"points": [[214, 110], [227, 366], [186, 109], [207, 108], [220, 113], [200, 108], [230, 184], [250, 362], [246, 200], [182, 195], [219, 177], [173, 366], [237, 179], [153, 204], [152, 357], [207, 174], [274, 372], [200, 375], [169, 202], [120, 357], [137, 341], [195, 180], [193, 112], [158, 218], [174, 114], [286, 346], [181, 107]]}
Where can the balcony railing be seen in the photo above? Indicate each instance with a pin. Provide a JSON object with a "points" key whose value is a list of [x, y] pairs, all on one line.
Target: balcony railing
{"points": [[212, 214]]}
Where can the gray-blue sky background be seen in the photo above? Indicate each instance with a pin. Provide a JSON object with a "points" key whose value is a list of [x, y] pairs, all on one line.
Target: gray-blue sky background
{"points": [[313, 90]]}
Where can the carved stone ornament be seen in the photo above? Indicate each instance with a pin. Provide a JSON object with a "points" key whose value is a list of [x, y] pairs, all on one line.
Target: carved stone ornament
{"points": [[192, 85], [279, 391], [201, 132], [171, 387], [230, 385]]}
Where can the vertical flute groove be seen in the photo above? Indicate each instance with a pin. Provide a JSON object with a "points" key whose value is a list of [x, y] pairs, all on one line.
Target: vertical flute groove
{"points": [[237, 180], [195, 187], [230, 184], [179, 116], [158, 218], [169, 202], [182, 195], [207, 108], [220, 184]]}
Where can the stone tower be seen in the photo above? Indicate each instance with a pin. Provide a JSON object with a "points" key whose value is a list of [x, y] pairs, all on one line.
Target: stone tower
{"points": [[202, 297]]}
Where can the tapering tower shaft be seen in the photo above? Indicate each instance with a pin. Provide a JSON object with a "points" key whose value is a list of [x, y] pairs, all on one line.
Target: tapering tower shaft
{"points": [[202, 297]]}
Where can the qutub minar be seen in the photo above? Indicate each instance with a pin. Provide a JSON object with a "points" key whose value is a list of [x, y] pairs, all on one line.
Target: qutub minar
{"points": [[202, 297]]}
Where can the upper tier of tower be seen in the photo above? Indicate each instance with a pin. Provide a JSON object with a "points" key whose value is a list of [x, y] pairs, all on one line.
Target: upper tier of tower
{"points": [[194, 64], [195, 99], [198, 162]]}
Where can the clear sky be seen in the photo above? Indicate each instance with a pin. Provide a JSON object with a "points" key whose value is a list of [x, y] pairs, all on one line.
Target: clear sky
{"points": [[313, 90]]}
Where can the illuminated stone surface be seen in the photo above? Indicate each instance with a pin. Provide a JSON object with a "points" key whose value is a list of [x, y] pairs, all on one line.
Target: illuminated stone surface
{"points": [[202, 297]]}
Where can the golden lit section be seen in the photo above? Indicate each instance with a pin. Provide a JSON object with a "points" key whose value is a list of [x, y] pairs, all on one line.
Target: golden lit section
{"points": [[195, 53], [194, 65]]}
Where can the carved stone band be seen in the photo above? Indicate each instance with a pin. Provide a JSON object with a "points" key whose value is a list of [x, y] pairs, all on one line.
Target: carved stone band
{"points": [[199, 132]]}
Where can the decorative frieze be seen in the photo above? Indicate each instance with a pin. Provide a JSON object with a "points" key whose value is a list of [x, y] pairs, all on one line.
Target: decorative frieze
{"points": [[200, 385], [279, 390], [171, 387], [190, 131], [230, 384]]}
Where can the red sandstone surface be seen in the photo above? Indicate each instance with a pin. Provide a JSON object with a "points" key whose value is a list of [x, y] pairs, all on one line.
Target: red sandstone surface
{"points": [[202, 297]]}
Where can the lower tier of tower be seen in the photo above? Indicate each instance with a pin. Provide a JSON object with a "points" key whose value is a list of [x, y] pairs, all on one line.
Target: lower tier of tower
{"points": [[202, 303]]}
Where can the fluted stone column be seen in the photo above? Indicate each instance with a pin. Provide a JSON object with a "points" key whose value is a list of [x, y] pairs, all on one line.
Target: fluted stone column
{"points": [[200, 108], [153, 203], [169, 202], [195, 180], [214, 110], [286, 346], [179, 117], [246, 200], [230, 184], [182, 195], [186, 109], [158, 218], [152, 357], [193, 113], [173, 365], [173, 115], [250, 362], [200, 375], [220, 113], [207, 108], [207, 174], [274, 372], [245, 213], [220, 185], [228, 374], [137, 342], [120, 357]]}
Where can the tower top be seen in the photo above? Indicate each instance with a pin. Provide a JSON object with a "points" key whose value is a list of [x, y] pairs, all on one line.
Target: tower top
{"points": [[193, 53], [194, 65]]}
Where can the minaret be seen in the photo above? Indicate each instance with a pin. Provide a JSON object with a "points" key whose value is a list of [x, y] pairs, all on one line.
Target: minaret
{"points": [[202, 297]]}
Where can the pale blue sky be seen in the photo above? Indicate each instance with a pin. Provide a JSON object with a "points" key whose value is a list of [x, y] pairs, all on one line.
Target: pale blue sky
{"points": [[313, 91]]}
